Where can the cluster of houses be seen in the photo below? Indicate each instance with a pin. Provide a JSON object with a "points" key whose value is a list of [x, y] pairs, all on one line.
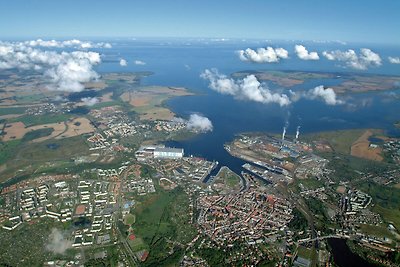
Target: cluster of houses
{"points": [[248, 216]]}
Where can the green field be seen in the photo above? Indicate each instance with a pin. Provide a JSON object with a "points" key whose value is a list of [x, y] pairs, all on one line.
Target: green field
{"points": [[319, 212], [129, 219], [28, 99], [348, 167], [13, 110], [387, 201], [304, 252], [26, 157], [231, 179], [310, 183], [106, 104], [389, 215], [52, 150], [340, 141], [160, 219], [31, 120], [137, 244], [379, 231], [299, 221], [8, 149], [385, 196], [29, 136]]}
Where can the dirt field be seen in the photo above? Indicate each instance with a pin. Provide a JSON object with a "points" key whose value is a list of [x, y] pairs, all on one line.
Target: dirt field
{"points": [[140, 101], [80, 209], [58, 127], [136, 99], [77, 127], [147, 101], [341, 189], [7, 102], [10, 116], [96, 85], [106, 97], [15, 130], [72, 128], [361, 148], [158, 114]]}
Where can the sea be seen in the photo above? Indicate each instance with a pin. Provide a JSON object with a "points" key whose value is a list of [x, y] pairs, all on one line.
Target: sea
{"points": [[179, 62]]}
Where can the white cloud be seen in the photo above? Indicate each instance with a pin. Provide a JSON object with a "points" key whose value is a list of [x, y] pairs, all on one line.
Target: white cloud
{"points": [[123, 62], [220, 83], [65, 71], [107, 45], [327, 94], [248, 89], [199, 123], [75, 69], [57, 242], [361, 61], [330, 41], [219, 40], [60, 98], [89, 101], [303, 53], [74, 43], [394, 60], [139, 62], [263, 55], [251, 89]]}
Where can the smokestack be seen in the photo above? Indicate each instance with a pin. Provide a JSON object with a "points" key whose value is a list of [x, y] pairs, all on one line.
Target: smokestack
{"points": [[284, 133], [297, 132]]}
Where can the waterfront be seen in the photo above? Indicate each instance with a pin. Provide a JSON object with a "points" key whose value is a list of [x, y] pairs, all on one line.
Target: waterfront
{"points": [[231, 116], [344, 257]]}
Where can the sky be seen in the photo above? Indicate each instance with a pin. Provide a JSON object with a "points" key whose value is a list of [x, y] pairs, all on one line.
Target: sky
{"points": [[344, 20]]}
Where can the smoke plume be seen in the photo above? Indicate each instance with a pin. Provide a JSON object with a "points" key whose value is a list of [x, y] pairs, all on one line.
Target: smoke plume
{"points": [[297, 132], [89, 101], [57, 242]]}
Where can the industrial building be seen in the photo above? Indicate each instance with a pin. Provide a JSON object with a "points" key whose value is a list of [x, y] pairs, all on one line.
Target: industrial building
{"points": [[168, 153], [159, 152]]}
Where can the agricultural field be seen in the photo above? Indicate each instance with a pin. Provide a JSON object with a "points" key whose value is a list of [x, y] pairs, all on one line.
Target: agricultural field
{"points": [[341, 141], [32, 120], [361, 148], [376, 230], [148, 101], [26, 157]]}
